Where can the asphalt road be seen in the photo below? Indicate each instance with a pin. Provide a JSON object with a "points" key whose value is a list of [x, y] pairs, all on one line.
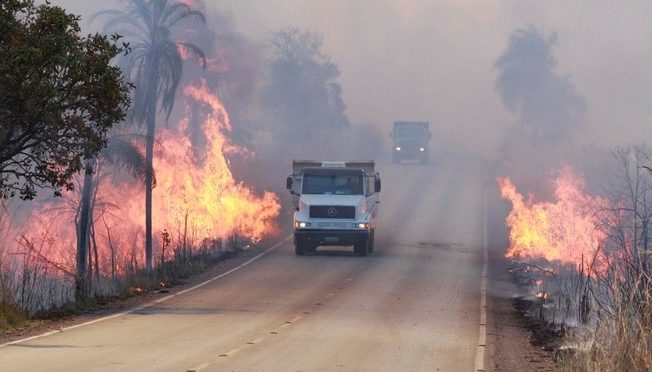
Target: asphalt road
{"points": [[413, 305]]}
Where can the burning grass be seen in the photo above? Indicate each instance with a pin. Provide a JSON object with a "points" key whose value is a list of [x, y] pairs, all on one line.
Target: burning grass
{"points": [[202, 214], [563, 230], [586, 262]]}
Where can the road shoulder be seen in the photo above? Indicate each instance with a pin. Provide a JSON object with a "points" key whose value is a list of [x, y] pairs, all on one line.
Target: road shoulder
{"points": [[509, 342]]}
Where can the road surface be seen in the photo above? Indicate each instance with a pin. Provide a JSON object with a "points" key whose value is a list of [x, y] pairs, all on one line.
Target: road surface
{"points": [[413, 305]]}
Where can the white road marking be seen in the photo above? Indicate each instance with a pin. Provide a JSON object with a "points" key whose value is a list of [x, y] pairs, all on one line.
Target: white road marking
{"points": [[482, 335], [253, 342], [198, 368], [233, 351], [157, 301]]}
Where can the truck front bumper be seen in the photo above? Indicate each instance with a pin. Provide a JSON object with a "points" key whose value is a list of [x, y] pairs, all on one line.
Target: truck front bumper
{"points": [[331, 237], [409, 155]]}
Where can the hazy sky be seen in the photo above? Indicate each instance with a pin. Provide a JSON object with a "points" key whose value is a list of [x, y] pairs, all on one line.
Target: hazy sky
{"points": [[433, 60]]}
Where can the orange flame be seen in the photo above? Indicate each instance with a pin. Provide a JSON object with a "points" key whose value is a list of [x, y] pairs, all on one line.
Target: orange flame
{"points": [[564, 230], [217, 204], [203, 195]]}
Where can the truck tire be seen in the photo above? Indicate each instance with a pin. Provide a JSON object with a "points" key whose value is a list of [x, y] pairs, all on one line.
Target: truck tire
{"points": [[371, 240], [299, 248], [311, 249], [361, 249]]}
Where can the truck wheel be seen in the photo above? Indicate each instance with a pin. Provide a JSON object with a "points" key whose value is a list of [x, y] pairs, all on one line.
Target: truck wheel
{"points": [[299, 248], [361, 249], [311, 249], [371, 240]]}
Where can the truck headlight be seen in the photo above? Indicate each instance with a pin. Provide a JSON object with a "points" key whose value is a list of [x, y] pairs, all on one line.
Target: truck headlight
{"points": [[301, 224], [360, 225], [398, 148], [422, 149]]}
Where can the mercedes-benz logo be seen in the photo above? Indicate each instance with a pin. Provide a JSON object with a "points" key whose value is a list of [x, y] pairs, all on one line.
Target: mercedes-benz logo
{"points": [[332, 212]]}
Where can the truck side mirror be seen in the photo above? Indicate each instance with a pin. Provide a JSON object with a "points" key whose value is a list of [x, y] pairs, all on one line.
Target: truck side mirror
{"points": [[289, 182], [429, 135], [391, 134], [377, 184]]}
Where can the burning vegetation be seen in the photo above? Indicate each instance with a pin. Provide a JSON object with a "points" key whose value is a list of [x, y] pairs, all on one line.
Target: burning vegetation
{"points": [[586, 262], [93, 239], [167, 187], [563, 230], [196, 202]]}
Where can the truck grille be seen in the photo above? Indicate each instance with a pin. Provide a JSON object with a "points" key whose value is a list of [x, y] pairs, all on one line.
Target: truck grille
{"points": [[332, 211]]}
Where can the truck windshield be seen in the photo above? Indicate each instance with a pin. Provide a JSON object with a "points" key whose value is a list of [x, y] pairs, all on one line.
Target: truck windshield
{"points": [[332, 184], [409, 132]]}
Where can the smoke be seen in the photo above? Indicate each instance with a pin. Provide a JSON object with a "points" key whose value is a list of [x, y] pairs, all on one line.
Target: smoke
{"points": [[301, 94], [442, 62], [549, 112], [301, 112], [547, 104]]}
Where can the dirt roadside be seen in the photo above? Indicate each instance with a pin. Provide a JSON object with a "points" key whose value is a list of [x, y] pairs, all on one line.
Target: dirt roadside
{"points": [[509, 342]]}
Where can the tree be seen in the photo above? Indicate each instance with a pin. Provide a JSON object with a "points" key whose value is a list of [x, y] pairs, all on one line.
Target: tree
{"points": [[59, 96], [155, 67], [301, 91], [122, 153], [547, 104]]}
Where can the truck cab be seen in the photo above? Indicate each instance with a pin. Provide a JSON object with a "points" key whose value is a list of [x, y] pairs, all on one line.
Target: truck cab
{"points": [[336, 204], [410, 141]]}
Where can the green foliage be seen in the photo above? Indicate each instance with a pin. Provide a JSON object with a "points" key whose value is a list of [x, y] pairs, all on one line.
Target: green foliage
{"points": [[125, 155], [60, 94]]}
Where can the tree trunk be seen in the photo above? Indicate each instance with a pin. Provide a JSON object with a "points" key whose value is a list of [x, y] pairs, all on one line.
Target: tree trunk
{"points": [[185, 239], [111, 248], [81, 285], [97, 261], [149, 158], [96, 188], [149, 173]]}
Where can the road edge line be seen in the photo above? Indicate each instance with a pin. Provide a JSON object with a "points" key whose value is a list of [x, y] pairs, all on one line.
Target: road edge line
{"points": [[482, 333], [152, 303]]}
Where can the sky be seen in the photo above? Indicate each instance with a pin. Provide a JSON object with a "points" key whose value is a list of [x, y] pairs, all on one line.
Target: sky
{"points": [[433, 60]]}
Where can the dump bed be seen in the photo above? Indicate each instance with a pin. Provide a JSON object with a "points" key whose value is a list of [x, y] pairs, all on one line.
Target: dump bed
{"points": [[299, 165], [416, 124]]}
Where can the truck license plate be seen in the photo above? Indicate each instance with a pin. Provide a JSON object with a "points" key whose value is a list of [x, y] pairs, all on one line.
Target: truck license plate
{"points": [[331, 239]]}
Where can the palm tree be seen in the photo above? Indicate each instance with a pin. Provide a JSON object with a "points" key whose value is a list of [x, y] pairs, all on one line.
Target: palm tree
{"points": [[155, 67], [123, 154]]}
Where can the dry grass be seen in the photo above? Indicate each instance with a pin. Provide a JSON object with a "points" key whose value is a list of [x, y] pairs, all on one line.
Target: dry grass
{"points": [[620, 303], [32, 287]]}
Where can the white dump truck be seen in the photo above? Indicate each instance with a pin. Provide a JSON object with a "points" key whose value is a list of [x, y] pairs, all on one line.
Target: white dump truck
{"points": [[336, 203]]}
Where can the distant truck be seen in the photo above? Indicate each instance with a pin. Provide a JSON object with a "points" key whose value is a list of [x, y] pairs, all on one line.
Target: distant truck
{"points": [[410, 141], [336, 203]]}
